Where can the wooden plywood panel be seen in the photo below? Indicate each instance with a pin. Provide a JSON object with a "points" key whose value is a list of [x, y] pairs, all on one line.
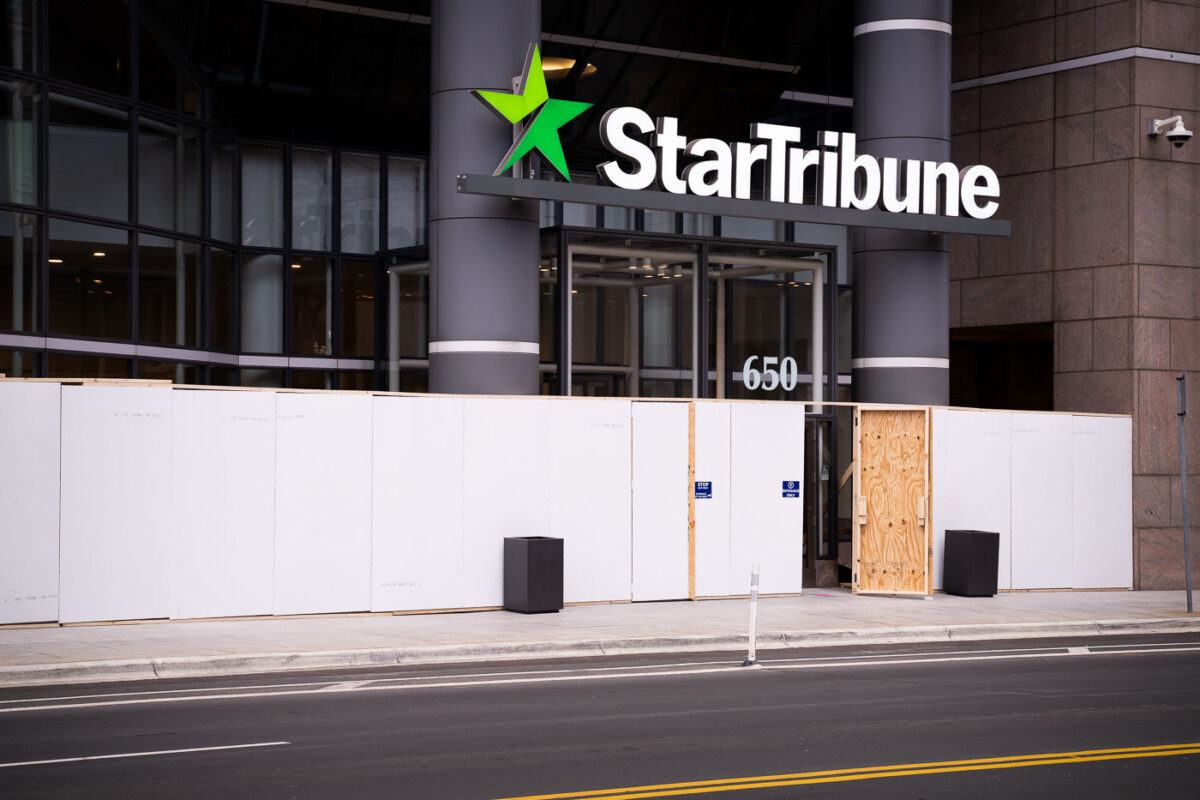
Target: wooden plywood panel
{"points": [[29, 448], [1102, 502], [1042, 547], [590, 503], [660, 501], [223, 503], [115, 560], [970, 469], [712, 514], [766, 528], [890, 542], [417, 503], [322, 503], [506, 487]]}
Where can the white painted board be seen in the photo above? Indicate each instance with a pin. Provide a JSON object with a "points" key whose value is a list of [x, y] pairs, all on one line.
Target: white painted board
{"points": [[1102, 502], [506, 487], [223, 503], [766, 528], [712, 514], [971, 487], [1042, 539], [115, 561], [590, 479], [660, 501], [29, 446], [417, 504], [322, 503]]}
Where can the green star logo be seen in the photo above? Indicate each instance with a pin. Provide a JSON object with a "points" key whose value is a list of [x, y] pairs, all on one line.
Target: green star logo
{"points": [[548, 115]]}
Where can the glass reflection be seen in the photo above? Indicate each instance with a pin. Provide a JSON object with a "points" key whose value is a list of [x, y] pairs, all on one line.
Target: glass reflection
{"points": [[262, 195], [406, 202], [18, 124], [168, 291], [312, 306], [89, 157], [168, 175], [90, 281], [18, 272], [360, 203], [358, 308], [312, 198]]}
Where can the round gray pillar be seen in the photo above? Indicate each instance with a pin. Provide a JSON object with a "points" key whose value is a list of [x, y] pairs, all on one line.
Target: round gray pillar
{"points": [[901, 342], [483, 324]]}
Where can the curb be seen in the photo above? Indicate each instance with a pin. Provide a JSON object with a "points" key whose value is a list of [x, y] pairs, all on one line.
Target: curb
{"points": [[204, 666]]}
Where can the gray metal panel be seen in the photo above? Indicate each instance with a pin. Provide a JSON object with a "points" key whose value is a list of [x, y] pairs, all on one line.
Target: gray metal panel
{"points": [[900, 304], [872, 10], [484, 373], [915, 385], [725, 206], [465, 59], [909, 72]]}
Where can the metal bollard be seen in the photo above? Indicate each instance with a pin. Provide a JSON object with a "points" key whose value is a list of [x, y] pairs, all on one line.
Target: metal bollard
{"points": [[751, 660]]}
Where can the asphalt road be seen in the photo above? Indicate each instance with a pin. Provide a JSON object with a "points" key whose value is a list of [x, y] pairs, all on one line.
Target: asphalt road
{"points": [[1085, 718]]}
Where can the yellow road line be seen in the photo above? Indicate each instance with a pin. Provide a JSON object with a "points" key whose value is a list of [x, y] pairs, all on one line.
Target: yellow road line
{"points": [[868, 773]]}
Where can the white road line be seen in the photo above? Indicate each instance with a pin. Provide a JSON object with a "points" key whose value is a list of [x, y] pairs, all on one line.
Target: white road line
{"points": [[141, 755]]}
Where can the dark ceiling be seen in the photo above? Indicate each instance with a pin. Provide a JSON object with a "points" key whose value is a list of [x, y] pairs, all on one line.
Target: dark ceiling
{"points": [[280, 70]]}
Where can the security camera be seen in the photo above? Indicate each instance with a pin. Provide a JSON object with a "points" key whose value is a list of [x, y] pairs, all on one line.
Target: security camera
{"points": [[1176, 133]]}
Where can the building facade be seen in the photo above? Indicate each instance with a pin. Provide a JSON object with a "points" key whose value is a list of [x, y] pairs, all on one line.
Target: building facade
{"points": [[260, 194]]}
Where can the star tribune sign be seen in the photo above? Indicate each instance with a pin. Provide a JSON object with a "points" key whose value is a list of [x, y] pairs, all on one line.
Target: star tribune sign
{"points": [[548, 115]]}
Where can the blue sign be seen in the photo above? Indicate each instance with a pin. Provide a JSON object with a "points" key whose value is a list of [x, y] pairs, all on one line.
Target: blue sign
{"points": [[791, 488], [703, 490]]}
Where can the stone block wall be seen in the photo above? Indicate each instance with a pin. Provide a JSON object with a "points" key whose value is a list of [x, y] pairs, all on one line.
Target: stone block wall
{"points": [[1106, 220]]}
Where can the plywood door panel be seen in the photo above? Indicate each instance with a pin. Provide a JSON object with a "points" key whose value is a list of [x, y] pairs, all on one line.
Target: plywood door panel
{"points": [[660, 501], [506, 487], [1102, 502], [115, 560], [970, 468], [590, 478], [891, 544], [766, 528], [417, 504], [322, 503], [1042, 549], [29, 469], [712, 514], [223, 501]]}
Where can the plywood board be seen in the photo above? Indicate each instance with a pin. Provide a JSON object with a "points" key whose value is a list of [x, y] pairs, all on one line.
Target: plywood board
{"points": [[417, 504], [506, 487], [29, 448], [970, 468], [766, 528], [322, 503], [660, 501], [1042, 538], [590, 480], [1102, 502], [115, 561], [891, 543], [223, 503], [712, 514]]}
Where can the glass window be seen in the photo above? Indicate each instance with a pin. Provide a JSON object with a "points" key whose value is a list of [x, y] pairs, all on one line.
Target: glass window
{"points": [[262, 195], [667, 319], [358, 308], [311, 379], [16, 49], [222, 301], [18, 165], [89, 43], [360, 203], [406, 202], [18, 272], [312, 199], [408, 311], [262, 304], [168, 291], [224, 179], [745, 228], [168, 175], [90, 280], [162, 80], [223, 376], [845, 328], [89, 157], [600, 324], [169, 371], [66, 365], [312, 306], [18, 364], [357, 381], [263, 378]]}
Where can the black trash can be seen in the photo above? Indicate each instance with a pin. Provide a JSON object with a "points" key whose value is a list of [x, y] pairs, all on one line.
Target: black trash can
{"points": [[533, 574], [972, 561]]}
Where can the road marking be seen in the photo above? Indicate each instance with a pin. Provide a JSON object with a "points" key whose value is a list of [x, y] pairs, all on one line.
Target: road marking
{"points": [[555, 676], [143, 754], [1078, 651], [868, 773]]}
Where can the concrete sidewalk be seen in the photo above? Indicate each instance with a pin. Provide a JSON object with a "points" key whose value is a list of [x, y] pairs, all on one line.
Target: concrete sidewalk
{"points": [[820, 617]]}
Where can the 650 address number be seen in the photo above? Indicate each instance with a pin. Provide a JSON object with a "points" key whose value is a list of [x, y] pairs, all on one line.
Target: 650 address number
{"points": [[769, 378]]}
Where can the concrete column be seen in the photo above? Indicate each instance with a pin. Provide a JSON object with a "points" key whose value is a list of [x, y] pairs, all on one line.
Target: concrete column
{"points": [[483, 326], [901, 343]]}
